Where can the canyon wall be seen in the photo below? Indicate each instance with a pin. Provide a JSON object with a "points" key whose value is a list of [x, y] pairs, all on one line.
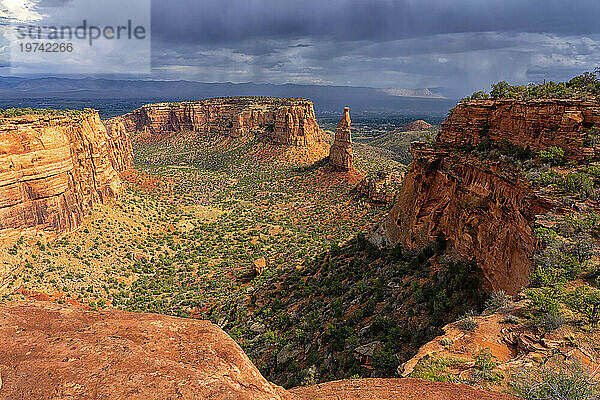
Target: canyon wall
{"points": [[282, 121], [55, 167], [538, 124], [484, 207]]}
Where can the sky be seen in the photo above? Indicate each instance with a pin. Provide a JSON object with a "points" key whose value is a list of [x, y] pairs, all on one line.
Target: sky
{"points": [[456, 47]]}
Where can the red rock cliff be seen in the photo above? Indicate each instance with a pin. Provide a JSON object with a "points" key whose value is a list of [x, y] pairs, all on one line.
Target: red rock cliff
{"points": [[54, 168], [538, 124], [283, 121], [483, 207]]}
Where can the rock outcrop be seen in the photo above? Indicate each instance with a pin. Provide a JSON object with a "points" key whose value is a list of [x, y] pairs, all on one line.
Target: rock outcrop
{"points": [[484, 207], [340, 154], [394, 389], [53, 352], [418, 125], [55, 167], [381, 188], [538, 124], [49, 351], [281, 121]]}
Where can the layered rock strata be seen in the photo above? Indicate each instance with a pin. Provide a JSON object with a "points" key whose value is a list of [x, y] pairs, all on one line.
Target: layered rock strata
{"points": [[485, 207], [54, 168], [538, 124], [340, 155], [282, 121]]}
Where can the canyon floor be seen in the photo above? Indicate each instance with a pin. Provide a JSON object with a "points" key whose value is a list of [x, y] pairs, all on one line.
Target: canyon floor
{"points": [[275, 250], [201, 225]]}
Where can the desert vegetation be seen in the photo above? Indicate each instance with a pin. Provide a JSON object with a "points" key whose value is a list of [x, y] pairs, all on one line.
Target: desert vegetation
{"points": [[17, 112], [585, 86]]}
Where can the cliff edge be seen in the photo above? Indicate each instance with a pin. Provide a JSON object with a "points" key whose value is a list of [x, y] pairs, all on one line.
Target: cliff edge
{"points": [[55, 167], [282, 121], [51, 351], [484, 206]]}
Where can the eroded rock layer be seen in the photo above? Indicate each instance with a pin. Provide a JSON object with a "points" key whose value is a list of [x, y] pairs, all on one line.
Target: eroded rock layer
{"points": [[282, 121], [340, 154], [538, 124], [381, 188], [485, 207], [53, 352], [54, 168]]}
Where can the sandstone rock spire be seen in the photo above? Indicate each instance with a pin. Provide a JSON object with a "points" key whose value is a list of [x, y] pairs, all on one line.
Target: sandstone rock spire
{"points": [[340, 154]]}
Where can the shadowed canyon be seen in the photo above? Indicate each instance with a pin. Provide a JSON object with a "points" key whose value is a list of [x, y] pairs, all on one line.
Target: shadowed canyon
{"points": [[232, 248]]}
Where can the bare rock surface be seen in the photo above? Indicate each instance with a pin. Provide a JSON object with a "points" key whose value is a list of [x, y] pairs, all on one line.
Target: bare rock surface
{"points": [[484, 207], [381, 188], [340, 154], [394, 389], [481, 208], [282, 121], [53, 352], [538, 124], [48, 351]]}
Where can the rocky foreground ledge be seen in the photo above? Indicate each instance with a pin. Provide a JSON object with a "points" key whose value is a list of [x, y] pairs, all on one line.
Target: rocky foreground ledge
{"points": [[52, 352]]}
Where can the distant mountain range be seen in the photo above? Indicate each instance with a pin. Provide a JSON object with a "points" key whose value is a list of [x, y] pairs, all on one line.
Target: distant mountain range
{"points": [[327, 99]]}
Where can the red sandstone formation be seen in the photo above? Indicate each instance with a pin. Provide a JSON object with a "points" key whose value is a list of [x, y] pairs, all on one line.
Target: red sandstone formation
{"points": [[340, 154], [418, 125], [483, 207], [394, 389], [538, 124], [52, 352], [49, 351], [382, 188], [282, 121], [54, 168]]}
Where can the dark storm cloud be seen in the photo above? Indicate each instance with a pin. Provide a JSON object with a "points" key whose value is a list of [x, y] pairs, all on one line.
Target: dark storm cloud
{"points": [[461, 45], [227, 21]]}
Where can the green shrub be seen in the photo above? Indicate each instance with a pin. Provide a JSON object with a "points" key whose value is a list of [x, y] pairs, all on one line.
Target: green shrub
{"points": [[548, 178], [496, 300], [385, 362], [578, 182], [554, 155], [544, 300], [468, 323], [592, 136], [546, 236], [433, 368], [585, 300], [485, 360], [549, 322], [583, 86], [557, 380]]}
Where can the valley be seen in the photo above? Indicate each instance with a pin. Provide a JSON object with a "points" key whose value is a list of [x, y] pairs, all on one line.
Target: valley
{"points": [[463, 253]]}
